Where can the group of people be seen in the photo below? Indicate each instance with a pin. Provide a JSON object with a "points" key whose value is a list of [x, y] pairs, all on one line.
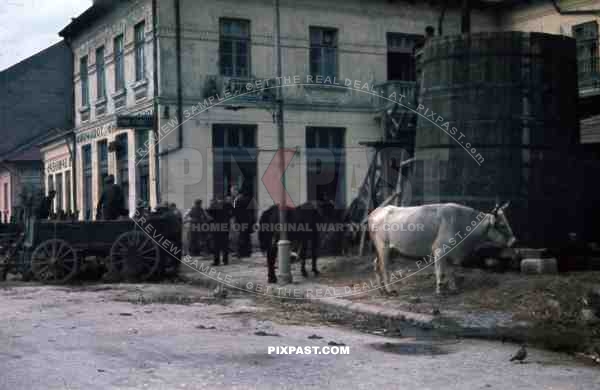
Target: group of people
{"points": [[110, 206], [209, 229]]}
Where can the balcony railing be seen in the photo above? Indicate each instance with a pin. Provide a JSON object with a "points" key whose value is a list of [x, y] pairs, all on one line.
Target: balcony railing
{"points": [[401, 88], [240, 89]]}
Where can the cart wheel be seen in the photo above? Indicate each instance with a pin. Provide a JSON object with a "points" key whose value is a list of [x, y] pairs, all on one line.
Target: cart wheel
{"points": [[134, 255], [54, 261]]}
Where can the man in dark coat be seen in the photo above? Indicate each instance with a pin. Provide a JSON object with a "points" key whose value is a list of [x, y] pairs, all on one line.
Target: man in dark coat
{"points": [[244, 217], [197, 218], [45, 208], [220, 211], [110, 205]]}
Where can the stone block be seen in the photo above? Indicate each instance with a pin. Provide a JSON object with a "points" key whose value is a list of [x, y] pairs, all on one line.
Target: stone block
{"points": [[530, 253], [539, 266]]}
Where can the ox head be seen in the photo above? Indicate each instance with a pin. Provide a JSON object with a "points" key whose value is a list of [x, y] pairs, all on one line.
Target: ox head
{"points": [[499, 229]]}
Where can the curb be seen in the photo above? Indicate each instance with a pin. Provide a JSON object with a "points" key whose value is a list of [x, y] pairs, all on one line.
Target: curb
{"points": [[421, 325], [421, 321], [378, 313]]}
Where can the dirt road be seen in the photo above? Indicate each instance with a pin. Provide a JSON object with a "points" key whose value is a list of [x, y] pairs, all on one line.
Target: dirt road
{"points": [[179, 337]]}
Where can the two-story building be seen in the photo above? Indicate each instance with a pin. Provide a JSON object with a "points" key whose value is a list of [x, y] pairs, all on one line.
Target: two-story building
{"points": [[191, 66], [113, 76]]}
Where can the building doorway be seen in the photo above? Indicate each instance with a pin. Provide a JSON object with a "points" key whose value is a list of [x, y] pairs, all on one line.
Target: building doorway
{"points": [[122, 158], [325, 176], [234, 155]]}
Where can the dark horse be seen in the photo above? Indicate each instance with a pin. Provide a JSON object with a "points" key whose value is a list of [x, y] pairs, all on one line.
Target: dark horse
{"points": [[302, 228]]}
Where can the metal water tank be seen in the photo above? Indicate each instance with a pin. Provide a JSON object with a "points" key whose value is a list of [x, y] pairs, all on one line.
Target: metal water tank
{"points": [[497, 119]]}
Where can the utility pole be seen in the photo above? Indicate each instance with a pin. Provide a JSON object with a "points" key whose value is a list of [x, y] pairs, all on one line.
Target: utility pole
{"points": [[283, 246]]}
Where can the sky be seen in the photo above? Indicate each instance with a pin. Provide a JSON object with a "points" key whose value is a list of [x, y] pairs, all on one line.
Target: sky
{"points": [[29, 26]]}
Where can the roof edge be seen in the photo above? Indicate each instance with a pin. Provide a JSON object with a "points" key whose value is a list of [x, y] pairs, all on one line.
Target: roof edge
{"points": [[79, 23]]}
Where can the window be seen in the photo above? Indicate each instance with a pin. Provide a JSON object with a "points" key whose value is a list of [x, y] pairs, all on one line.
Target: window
{"points": [[139, 32], [59, 192], [83, 71], [323, 51], [325, 163], [102, 164], [324, 137], [100, 75], [87, 181], [400, 59], [119, 64], [123, 166], [586, 37], [68, 192], [234, 48], [142, 167]]}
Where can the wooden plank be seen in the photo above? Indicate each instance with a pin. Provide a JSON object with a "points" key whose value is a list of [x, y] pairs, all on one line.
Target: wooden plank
{"points": [[399, 179], [369, 202]]}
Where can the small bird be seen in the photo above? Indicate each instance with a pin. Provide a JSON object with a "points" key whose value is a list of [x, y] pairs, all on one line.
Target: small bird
{"points": [[520, 355]]}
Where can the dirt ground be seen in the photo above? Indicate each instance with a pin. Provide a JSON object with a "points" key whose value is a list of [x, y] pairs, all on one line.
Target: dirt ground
{"points": [[176, 336], [550, 306]]}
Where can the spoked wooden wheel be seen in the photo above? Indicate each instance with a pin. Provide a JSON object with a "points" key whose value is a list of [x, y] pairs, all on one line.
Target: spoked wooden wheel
{"points": [[134, 255], [54, 261]]}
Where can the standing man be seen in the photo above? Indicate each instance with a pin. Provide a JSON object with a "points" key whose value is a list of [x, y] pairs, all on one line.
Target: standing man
{"points": [[197, 218], [45, 208], [220, 212], [244, 216], [110, 205]]}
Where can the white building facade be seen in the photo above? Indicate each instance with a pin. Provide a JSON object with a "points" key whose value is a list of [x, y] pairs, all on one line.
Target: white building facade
{"points": [[112, 50], [166, 59]]}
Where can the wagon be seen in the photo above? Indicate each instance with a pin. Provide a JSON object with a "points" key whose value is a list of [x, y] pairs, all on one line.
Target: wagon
{"points": [[142, 249]]}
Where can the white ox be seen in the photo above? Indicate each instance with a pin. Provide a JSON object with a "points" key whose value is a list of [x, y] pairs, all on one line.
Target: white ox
{"points": [[434, 233]]}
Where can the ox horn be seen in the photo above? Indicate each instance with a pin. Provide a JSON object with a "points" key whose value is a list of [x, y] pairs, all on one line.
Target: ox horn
{"points": [[495, 209], [505, 205]]}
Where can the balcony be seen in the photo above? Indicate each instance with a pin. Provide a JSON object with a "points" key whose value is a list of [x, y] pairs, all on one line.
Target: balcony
{"points": [[588, 75], [245, 90], [401, 88]]}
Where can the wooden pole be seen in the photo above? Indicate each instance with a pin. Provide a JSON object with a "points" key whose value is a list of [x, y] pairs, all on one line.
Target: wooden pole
{"points": [[371, 174], [399, 179]]}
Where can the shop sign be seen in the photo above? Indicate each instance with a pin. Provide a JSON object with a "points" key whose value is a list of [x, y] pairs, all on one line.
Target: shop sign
{"points": [[135, 121], [94, 133], [58, 165]]}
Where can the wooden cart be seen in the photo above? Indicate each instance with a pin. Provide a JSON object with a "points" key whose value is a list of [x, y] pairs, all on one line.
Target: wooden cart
{"points": [[56, 250]]}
